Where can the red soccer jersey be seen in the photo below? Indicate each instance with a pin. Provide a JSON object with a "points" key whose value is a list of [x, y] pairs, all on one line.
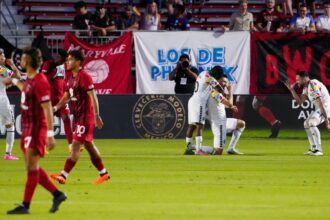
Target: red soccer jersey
{"points": [[274, 17], [81, 103], [35, 92]]}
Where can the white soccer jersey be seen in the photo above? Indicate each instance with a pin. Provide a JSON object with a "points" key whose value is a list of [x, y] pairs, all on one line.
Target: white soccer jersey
{"points": [[4, 73], [316, 89], [6, 114]]}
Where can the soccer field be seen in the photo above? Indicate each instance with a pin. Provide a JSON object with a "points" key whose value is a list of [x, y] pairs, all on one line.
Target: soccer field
{"points": [[151, 179]]}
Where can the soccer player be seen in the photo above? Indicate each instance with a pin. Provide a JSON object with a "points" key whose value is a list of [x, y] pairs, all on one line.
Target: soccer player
{"points": [[37, 129], [55, 73], [6, 112], [85, 106], [206, 84], [318, 94]]}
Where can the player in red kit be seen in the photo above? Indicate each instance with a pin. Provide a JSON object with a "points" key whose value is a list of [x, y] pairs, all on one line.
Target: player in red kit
{"points": [[85, 106], [55, 73], [37, 129]]}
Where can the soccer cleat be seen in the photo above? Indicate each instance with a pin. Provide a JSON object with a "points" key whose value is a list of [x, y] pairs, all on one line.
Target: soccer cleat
{"points": [[10, 157], [309, 152], [57, 202], [19, 210], [275, 129], [58, 177], [102, 179], [234, 151], [316, 153]]}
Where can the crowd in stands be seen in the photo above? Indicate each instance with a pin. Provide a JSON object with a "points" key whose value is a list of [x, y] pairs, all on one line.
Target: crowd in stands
{"points": [[278, 16]]}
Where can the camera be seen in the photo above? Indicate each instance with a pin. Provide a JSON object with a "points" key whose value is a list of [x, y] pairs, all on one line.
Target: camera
{"points": [[185, 64]]}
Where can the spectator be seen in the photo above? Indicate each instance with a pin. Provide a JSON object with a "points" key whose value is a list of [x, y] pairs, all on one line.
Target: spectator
{"points": [[287, 7], [302, 22], [102, 22], [151, 20], [269, 20], [242, 20], [178, 21], [82, 19], [323, 21], [184, 75], [128, 20]]}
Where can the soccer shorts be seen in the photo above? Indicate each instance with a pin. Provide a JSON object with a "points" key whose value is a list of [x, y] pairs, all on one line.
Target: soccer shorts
{"points": [[35, 140], [83, 133], [318, 116], [196, 112], [6, 114], [231, 124]]}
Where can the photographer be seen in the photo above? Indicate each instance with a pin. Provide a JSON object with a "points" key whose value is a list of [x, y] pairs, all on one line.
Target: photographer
{"points": [[184, 75]]}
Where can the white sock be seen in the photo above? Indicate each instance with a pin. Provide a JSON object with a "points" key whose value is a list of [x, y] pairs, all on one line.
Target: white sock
{"points": [[10, 137], [235, 137], [65, 174], [188, 140], [317, 137], [310, 138], [103, 171], [199, 140]]}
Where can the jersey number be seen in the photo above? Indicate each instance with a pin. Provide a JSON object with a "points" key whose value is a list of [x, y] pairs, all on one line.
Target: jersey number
{"points": [[27, 142], [80, 130]]}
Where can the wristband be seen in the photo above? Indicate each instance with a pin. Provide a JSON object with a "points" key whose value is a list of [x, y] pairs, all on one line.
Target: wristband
{"points": [[50, 133], [55, 108], [14, 81]]}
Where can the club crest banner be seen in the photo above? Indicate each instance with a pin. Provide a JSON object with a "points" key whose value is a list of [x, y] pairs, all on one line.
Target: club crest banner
{"points": [[109, 65], [156, 55]]}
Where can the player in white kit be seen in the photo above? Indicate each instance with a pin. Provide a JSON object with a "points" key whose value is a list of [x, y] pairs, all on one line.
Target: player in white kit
{"points": [[206, 85], [318, 94], [6, 113]]}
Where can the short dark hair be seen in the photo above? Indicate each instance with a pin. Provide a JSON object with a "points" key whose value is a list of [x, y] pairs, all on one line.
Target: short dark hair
{"points": [[77, 55], [217, 72], [80, 4], [180, 8], [303, 6], [100, 6], [183, 56], [35, 56], [302, 73]]}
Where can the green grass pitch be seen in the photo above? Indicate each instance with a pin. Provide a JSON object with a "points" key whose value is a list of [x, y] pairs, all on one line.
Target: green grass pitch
{"points": [[152, 180]]}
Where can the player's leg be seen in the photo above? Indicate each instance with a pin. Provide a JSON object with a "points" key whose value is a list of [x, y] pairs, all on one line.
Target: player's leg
{"points": [[190, 149], [97, 162], [69, 163], [267, 114], [65, 115], [8, 119], [313, 132], [219, 136], [236, 126], [199, 137]]}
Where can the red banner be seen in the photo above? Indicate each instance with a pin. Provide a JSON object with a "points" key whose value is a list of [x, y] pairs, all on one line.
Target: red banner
{"points": [[277, 57], [109, 65]]}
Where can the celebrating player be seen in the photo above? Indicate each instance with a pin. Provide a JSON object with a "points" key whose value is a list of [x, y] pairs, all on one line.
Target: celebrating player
{"points": [[80, 91], [37, 129], [206, 84], [6, 113], [318, 94], [55, 73]]}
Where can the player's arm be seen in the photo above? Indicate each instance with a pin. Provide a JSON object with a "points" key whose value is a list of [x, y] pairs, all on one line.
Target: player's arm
{"points": [[220, 98], [47, 108], [65, 99], [13, 81], [230, 95], [95, 103], [324, 113], [299, 98], [17, 73]]}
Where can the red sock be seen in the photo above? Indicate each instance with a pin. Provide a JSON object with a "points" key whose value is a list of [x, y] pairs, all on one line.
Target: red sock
{"points": [[267, 114], [97, 162], [69, 164], [45, 181], [68, 129], [30, 185]]}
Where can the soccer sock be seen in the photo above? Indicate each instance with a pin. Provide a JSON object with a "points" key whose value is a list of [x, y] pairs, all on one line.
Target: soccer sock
{"points": [[69, 164], [30, 186], [310, 138], [199, 140], [317, 137], [235, 137], [98, 163], [10, 137], [267, 114], [208, 150], [45, 181], [68, 129], [188, 140]]}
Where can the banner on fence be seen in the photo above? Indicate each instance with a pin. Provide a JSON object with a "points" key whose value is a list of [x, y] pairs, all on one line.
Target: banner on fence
{"points": [[156, 55], [277, 57], [109, 65]]}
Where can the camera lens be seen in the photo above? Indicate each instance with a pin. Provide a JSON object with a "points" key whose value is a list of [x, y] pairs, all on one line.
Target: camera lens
{"points": [[185, 64]]}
